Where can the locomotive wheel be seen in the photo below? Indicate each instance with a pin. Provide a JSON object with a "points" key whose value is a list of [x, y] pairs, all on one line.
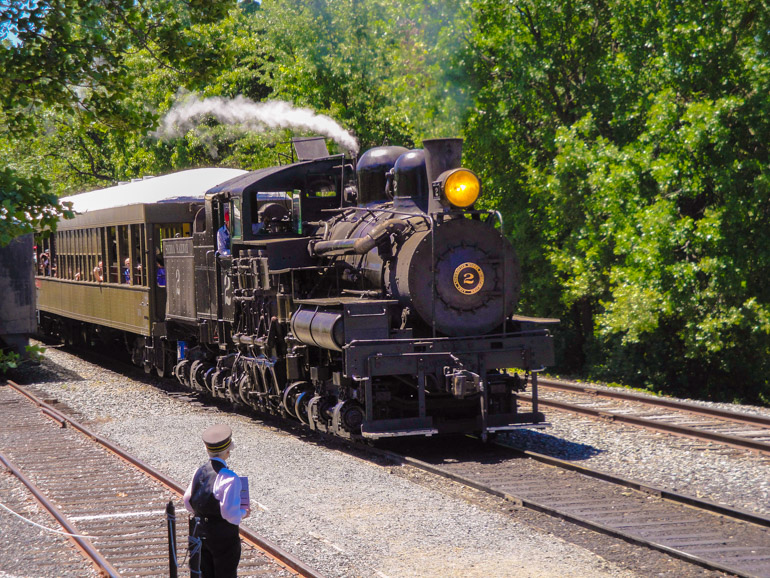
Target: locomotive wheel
{"points": [[352, 417], [300, 407], [288, 398], [218, 382], [232, 393], [197, 372], [209, 379], [291, 394], [182, 372], [244, 387]]}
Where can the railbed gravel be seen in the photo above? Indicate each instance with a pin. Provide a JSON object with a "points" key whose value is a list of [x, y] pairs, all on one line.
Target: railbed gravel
{"points": [[346, 514], [711, 471], [32, 550]]}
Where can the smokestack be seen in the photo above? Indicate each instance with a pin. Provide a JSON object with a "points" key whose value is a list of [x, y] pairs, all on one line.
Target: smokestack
{"points": [[442, 154]]}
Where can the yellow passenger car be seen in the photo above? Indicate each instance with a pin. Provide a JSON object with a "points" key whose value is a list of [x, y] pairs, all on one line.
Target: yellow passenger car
{"points": [[101, 276]]}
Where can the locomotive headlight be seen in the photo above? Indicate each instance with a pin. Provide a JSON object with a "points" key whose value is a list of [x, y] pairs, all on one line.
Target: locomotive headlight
{"points": [[460, 187]]}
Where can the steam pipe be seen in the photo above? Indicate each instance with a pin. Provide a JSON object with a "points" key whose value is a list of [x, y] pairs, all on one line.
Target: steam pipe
{"points": [[362, 244]]}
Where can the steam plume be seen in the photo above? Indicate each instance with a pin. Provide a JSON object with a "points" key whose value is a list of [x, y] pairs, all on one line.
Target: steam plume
{"points": [[252, 116]]}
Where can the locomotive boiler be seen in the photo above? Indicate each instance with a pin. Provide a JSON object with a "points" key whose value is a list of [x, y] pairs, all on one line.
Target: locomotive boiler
{"points": [[369, 301]]}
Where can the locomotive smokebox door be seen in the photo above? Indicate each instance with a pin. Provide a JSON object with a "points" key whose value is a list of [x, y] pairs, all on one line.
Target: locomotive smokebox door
{"points": [[474, 284]]}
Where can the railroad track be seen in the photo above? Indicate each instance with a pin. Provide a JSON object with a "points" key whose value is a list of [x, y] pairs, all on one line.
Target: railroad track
{"points": [[112, 504], [700, 532], [738, 430]]}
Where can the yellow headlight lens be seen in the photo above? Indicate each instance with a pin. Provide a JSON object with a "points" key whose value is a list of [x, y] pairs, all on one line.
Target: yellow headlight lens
{"points": [[462, 188]]}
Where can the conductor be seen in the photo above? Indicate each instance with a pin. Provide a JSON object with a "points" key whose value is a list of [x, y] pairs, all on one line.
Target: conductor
{"points": [[214, 496]]}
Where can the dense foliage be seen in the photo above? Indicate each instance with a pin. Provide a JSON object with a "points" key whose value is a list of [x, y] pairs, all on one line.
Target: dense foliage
{"points": [[638, 131], [624, 142]]}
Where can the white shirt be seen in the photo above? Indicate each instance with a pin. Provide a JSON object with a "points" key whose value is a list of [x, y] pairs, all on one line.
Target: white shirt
{"points": [[227, 489]]}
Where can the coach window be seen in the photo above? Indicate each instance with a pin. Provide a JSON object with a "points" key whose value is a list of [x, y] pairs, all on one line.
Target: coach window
{"points": [[80, 262], [101, 251], [93, 253], [65, 262], [136, 251], [72, 262], [235, 221], [88, 252], [52, 254], [62, 254], [82, 255], [73, 257], [112, 258], [123, 276], [79, 250]]}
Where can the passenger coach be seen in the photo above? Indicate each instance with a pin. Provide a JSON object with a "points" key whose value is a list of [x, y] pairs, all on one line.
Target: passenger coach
{"points": [[101, 276]]}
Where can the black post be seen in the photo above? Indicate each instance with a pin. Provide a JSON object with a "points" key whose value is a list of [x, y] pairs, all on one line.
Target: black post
{"points": [[194, 548], [171, 525]]}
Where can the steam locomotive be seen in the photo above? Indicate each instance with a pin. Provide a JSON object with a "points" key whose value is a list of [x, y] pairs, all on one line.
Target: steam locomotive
{"points": [[370, 301]]}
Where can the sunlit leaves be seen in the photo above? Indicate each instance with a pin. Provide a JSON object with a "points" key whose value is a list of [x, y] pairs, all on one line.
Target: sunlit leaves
{"points": [[25, 206], [643, 127]]}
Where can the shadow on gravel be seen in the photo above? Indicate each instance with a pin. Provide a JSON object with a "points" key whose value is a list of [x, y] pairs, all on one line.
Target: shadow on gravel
{"points": [[543, 443], [45, 372]]}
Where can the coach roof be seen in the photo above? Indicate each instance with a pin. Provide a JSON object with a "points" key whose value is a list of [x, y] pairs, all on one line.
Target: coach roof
{"points": [[189, 185]]}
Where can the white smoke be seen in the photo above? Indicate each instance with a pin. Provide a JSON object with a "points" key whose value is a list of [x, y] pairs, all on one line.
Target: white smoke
{"points": [[251, 116]]}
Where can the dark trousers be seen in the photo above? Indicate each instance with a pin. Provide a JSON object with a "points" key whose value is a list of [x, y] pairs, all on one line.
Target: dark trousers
{"points": [[220, 551]]}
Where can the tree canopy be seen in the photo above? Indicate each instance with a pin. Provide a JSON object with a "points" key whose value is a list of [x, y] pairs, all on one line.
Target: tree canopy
{"points": [[625, 143]]}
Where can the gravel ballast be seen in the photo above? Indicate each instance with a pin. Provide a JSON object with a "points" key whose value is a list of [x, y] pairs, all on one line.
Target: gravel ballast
{"points": [[28, 549], [347, 516], [710, 471]]}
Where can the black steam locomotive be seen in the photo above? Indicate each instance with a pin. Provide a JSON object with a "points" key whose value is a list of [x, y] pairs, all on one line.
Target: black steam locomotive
{"points": [[365, 302]]}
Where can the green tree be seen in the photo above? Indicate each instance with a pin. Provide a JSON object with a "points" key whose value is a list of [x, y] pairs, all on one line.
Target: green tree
{"points": [[641, 176], [66, 81], [374, 66]]}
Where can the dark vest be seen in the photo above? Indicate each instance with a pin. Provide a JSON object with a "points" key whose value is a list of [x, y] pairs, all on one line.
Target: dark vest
{"points": [[202, 497]]}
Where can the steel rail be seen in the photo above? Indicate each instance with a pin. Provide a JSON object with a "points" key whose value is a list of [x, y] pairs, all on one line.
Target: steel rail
{"points": [[84, 545], [657, 401], [691, 432], [584, 522], [699, 503], [280, 555]]}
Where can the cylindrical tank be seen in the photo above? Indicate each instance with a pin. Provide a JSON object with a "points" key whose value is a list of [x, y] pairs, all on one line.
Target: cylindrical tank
{"points": [[318, 327], [411, 181], [371, 170]]}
